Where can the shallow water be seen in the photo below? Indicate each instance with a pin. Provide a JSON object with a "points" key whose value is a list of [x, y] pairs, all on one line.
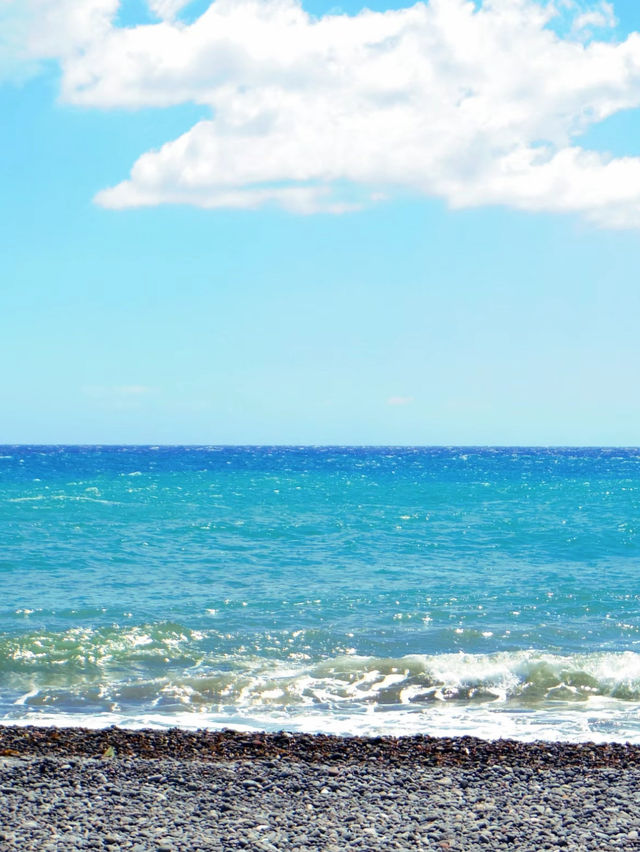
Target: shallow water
{"points": [[442, 590]]}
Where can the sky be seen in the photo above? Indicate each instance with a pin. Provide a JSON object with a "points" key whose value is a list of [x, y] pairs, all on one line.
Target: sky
{"points": [[266, 222]]}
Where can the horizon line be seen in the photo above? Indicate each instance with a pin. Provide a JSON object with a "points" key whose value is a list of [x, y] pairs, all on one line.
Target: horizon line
{"points": [[303, 446]]}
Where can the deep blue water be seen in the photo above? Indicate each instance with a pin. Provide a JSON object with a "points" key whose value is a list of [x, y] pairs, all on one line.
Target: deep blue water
{"points": [[476, 590]]}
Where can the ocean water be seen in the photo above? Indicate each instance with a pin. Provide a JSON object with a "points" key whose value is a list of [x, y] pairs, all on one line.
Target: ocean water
{"points": [[493, 592]]}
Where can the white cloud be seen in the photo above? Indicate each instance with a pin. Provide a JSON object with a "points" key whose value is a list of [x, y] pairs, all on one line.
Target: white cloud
{"points": [[475, 104], [167, 9], [598, 17], [400, 400], [33, 30]]}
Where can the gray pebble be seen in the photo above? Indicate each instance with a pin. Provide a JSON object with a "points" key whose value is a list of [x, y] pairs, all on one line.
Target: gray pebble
{"points": [[260, 805]]}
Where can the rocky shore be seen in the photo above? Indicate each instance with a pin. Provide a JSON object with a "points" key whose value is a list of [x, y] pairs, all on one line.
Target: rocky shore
{"points": [[70, 789]]}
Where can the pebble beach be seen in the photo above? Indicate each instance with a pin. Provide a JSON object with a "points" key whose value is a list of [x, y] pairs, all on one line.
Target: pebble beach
{"points": [[71, 788]]}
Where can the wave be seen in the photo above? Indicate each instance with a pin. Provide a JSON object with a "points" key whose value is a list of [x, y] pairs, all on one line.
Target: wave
{"points": [[71, 498], [166, 664], [526, 678]]}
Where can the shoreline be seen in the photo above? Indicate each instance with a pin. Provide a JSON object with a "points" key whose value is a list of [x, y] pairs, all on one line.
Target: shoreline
{"points": [[226, 744], [73, 789]]}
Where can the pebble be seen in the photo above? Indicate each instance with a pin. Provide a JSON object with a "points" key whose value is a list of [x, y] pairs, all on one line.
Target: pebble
{"points": [[274, 792]]}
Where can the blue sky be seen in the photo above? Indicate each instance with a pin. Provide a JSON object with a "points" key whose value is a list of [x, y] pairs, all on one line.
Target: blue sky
{"points": [[400, 295]]}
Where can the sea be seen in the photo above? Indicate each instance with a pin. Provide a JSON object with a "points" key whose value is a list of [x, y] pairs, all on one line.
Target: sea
{"points": [[492, 592]]}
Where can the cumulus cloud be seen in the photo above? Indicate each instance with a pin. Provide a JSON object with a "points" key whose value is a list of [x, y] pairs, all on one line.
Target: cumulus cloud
{"points": [[475, 103], [34, 30]]}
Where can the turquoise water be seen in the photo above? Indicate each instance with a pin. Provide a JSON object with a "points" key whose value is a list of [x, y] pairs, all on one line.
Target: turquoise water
{"points": [[379, 590]]}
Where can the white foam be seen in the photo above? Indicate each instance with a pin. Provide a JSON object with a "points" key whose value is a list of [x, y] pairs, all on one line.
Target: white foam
{"points": [[601, 722], [593, 697], [20, 702]]}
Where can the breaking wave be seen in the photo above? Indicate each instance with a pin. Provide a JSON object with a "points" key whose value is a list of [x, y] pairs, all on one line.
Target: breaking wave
{"points": [[168, 674]]}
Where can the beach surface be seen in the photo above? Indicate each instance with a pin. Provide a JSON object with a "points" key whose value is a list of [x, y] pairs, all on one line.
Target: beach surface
{"points": [[72, 788]]}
